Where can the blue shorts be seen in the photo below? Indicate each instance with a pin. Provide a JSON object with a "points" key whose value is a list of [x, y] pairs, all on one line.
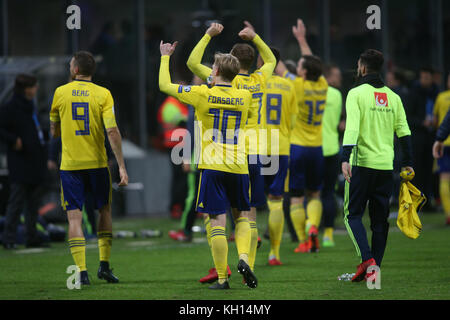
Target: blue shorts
{"points": [[218, 191], [444, 162], [276, 181], [305, 169], [75, 184], [257, 196]]}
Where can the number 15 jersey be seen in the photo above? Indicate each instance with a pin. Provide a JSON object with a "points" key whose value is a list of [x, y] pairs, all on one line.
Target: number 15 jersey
{"points": [[311, 97], [83, 109]]}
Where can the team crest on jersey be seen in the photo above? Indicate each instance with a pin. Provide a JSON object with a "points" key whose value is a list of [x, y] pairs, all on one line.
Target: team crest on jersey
{"points": [[381, 99], [187, 88]]}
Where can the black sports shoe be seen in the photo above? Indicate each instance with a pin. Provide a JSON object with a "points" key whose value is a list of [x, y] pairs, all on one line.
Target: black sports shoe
{"points": [[247, 273], [84, 278], [105, 273], [218, 286]]}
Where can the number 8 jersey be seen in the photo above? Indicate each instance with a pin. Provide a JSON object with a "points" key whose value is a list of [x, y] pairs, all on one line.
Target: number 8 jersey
{"points": [[83, 109], [311, 97]]}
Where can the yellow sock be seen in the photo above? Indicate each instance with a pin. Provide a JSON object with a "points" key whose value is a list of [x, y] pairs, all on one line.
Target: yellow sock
{"points": [[78, 251], [104, 245], [219, 249], [253, 244], [242, 236], [444, 190], [328, 233], [276, 222], [208, 230], [314, 210], [298, 218]]}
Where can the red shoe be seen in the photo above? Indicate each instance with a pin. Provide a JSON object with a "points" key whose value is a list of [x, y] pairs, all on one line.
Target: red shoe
{"points": [[313, 239], [302, 247], [447, 222], [179, 236], [213, 276], [231, 237], [275, 262], [259, 243], [361, 270]]}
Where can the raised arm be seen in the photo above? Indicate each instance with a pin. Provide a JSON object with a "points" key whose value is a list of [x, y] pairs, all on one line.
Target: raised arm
{"points": [[186, 94], [194, 62], [299, 32], [249, 34], [165, 83]]}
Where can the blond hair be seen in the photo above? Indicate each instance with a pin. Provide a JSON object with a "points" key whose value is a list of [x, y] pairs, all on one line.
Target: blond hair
{"points": [[228, 66]]}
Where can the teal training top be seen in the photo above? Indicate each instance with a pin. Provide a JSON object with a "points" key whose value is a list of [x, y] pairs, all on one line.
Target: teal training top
{"points": [[373, 116], [330, 122]]}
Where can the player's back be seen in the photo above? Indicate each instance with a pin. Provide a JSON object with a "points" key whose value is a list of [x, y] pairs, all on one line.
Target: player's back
{"points": [[84, 110], [311, 98], [222, 113], [256, 84], [279, 105]]}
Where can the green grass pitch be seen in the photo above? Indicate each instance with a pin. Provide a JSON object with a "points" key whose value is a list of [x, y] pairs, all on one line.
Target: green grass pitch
{"points": [[163, 269]]}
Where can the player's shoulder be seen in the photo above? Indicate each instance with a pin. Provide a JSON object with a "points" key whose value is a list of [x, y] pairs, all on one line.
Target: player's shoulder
{"points": [[100, 90], [444, 95]]}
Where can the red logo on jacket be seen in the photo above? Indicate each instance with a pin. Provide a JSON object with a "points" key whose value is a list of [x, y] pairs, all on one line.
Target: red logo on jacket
{"points": [[381, 99]]}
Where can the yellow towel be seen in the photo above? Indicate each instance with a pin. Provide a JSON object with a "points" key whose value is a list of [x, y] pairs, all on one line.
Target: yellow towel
{"points": [[411, 200]]}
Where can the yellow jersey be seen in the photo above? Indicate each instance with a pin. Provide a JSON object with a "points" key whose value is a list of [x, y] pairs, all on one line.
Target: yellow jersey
{"points": [[311, 98], [280, 104], [254, 82], [222, 113], [441, 108], [83, 110]]}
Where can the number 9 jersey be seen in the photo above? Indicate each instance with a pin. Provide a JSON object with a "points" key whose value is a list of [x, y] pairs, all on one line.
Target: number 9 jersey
{"points": [[311, 97], [83, 109]]}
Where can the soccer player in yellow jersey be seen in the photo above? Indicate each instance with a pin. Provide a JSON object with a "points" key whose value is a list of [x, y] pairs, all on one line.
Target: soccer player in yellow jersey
{"points": [[222, 112], [280, 109], [81, 111], [441, 107], [306, 157], [255, 83]]}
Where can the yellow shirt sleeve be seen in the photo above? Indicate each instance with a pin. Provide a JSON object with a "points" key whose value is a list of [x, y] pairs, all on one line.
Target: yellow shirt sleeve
{"points": [[54, 111], [109, 118], [194, 62], [186, 94], [437, 111], [267, 56]]}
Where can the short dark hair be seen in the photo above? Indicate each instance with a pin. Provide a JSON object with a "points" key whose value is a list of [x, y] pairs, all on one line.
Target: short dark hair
{"points": [[24, 81], [291, 65], [245, 54], [85, 62], [328, 67], [313, 66], [276, 53], [373, 60]]}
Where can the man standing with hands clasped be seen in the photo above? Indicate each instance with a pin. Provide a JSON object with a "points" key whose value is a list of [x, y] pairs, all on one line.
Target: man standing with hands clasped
{"points": [[374, 114]]}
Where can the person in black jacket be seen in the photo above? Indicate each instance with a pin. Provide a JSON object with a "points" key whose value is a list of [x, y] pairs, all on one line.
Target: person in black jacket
{"points": [[419, 111], [27, 160]]}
